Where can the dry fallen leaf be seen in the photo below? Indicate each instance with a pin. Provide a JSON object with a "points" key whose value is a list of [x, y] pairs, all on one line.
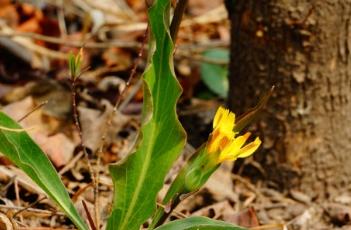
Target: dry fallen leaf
{"points": [[9, 14], [40, 127], [58, 97], [117, 57], [34, 17], [5, 222], [58, 147], [94, 125], [246, 218], [220, 184], [19, 109]]}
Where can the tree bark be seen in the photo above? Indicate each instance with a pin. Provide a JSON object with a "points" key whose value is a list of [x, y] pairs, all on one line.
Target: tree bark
{"points": [[303, 48]]}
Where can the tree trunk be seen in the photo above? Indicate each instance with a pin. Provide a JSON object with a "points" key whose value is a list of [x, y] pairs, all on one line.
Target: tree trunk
{"points": [[303, 48]]}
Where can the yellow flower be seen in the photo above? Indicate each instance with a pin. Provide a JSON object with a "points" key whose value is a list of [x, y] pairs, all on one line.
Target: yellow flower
{"points": [[222, 140]]}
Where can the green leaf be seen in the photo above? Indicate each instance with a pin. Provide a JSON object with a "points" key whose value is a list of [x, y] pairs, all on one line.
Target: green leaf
{"points": [[26, 154], [215, 76], [138, 179], [75, 63], [198, 223]]}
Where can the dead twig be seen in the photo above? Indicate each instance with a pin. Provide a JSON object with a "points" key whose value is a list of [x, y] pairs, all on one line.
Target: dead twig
{"points": [[134, 90], [30, 206], [32, 210], [78, 125], [269, 227], [247, 184], [131, 76], [18, 200], [71, 163], [107, 44], [61, 19], [174, 212], [90, 219], [4, 189], [69, 43], [43, 228], [24, 182], [32, 111], [80, 192]]}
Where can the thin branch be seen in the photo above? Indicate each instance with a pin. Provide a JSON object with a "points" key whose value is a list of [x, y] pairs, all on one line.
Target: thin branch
{"points": [[33, 210], [90, 219], [32, 111], [61, 19], [268, 227], [4, 189], [101, 45], [79, 129], [177, 18], [18, 201], [70, 43], [30, 206], [80, 191], [42, 228], [132, 73], [134, 90], [174, 212], [78, 126], [71, 163]]}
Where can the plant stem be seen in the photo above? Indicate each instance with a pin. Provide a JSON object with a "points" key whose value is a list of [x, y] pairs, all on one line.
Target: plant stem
{"points": [[177, 18], [172, 199], [78, 126], [162, 215]]}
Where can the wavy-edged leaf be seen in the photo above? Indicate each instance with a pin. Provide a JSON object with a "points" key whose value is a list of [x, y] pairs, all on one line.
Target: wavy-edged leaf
{"points": [[138, 179], [26, 154], [198, 223]]}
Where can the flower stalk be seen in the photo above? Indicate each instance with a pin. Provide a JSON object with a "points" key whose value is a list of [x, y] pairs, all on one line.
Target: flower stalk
{"points": [[223, 145]]}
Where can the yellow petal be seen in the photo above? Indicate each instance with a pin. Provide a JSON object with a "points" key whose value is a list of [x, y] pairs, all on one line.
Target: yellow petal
{"points": [[240, 141], [249, 148], [213, 142], [226, 126], [231, 151], [224, 122], [219, 114]]}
